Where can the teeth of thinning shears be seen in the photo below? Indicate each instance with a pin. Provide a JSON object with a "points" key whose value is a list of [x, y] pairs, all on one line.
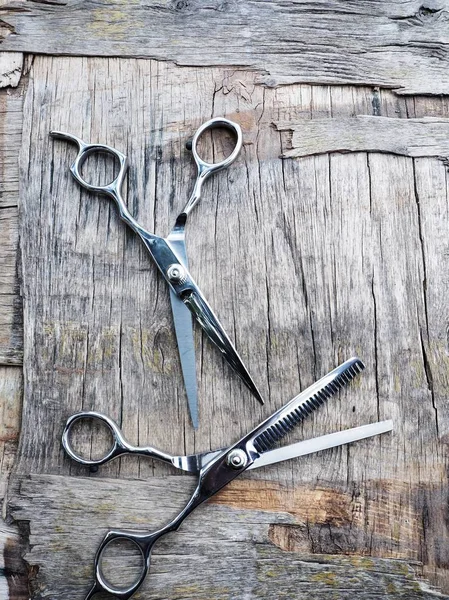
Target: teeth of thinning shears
{"points": [[266, 435]]}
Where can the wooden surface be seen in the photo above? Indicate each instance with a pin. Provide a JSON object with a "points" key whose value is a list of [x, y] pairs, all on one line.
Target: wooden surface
{"points": [[417, 138], [339, 249], [346, 255], [226, 550], [395, 44], [13, 571]]}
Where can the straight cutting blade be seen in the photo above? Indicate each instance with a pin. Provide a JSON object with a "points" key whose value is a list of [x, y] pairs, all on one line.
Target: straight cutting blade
{"points": [[166, 253], [184, 336], [323, 442], [214, 330], [182, 318]]}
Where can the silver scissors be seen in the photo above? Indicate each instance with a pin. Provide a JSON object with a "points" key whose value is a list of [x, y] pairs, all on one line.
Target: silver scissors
{"points": [[170, 256], [217, 468]]}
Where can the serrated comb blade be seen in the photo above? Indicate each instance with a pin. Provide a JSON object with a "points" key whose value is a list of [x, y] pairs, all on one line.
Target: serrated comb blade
{"points": [[285, 419]]}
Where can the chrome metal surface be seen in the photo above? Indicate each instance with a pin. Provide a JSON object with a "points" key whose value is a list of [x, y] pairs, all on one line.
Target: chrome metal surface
{"points": [[182, 319], [223, 467], [176, 274], [236, 459], [324, 442], [192, 463], [171, 258]]}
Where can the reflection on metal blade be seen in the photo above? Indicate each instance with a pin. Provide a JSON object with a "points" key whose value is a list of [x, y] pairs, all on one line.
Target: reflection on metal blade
{"points": [[215, 332], [321, 443], [182, 318]]}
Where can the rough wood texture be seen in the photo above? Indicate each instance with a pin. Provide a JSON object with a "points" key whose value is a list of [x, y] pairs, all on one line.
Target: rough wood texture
{"points": [[10, 404], [13, 571], [11, 64], [397, 44], [11, 319], [347, 256], [223, 551], [408, 137], [11, 101], [11, 334]]}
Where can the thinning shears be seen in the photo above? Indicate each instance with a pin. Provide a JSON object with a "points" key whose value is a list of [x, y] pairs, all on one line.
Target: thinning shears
{"points": [[170, 256], [218, 468]]}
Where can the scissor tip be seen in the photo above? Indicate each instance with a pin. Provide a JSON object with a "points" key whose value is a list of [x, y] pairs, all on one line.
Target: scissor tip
{"points": [[258, 395], [194, 419]]}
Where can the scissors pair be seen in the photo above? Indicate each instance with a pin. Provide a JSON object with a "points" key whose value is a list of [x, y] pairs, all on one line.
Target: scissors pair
{"points": [[218, 468], [170, 256]]}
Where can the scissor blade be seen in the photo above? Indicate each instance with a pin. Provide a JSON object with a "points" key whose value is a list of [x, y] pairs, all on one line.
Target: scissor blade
{"points": [[323, 442], [266, 435], [215, 332], [182, 318], [165, 254], [184, 336]]}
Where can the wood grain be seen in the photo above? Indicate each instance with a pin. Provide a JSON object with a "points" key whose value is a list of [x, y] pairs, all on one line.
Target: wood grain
{"points": [[11, 100], [222, 551], [13, 571], [428, 136], [11, 64], [11, 318], [399, 44], [306, 261]]}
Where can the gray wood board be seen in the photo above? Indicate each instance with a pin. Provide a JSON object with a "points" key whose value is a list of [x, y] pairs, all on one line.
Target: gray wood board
{"points": [[428, 136], [399, 44], [13, 571], [306, 261], [11, 101], [222, 551], [11, 65], [11, 312]]}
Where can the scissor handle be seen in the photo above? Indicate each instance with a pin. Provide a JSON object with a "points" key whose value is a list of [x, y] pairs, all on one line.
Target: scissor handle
{"points": [[143, 543], [119, 443], [84, 150], [223, 164], [205, 169]]}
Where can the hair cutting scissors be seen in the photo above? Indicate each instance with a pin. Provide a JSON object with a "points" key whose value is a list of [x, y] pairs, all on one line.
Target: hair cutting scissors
{"points": [[218, 468], [170, 256]]}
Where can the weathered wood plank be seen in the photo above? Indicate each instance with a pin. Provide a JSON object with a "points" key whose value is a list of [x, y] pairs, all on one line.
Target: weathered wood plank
{"points": [[401, 44], [224, 550], [11, 101], [428, 136], [11, 64], [13, 570], [11, 318], [335, 247], [11, 335], [10, 405]]}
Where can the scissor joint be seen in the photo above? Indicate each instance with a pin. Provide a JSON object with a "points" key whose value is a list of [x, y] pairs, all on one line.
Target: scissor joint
{"points": [[237, 459], [176, 273]]}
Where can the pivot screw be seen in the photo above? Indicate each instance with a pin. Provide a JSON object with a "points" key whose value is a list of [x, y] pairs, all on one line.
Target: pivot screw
{"points": [[237, 459], [176, 273]]}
